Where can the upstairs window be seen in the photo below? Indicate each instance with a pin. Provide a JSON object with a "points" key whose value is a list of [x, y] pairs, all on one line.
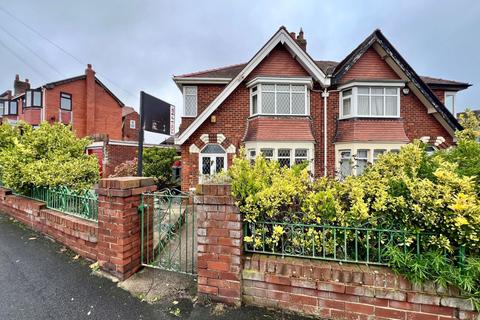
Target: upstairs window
{"points": [[375, 102], [450, 101], [33, 98], [65, 101], [190, 101], [133, 124], [279, 99]]}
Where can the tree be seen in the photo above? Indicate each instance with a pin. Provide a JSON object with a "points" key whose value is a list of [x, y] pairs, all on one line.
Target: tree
{"points": [[49, 156]]}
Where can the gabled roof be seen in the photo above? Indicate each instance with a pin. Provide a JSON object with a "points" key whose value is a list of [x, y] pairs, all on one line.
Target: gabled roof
{"points": [[82, 77], [328, 67], [281, 36], [377, 37]]}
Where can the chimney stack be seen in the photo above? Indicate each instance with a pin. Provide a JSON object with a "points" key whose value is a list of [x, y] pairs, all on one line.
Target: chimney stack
{"points": [[91, 101], [19, 86], [301, 40]]}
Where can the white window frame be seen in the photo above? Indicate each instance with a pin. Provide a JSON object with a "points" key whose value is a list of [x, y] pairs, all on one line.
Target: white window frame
{"points": [[184, 101], [214, 165], [260, 146], [354, 98], [261, 81], [133, 124], [354, 147], [453, 95]]}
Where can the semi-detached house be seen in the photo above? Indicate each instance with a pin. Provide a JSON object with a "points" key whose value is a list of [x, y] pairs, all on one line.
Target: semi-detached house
{"points": [[338, 116]]}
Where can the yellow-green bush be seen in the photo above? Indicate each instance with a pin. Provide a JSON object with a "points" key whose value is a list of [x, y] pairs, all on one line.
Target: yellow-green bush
{"points": [[49, 156]]}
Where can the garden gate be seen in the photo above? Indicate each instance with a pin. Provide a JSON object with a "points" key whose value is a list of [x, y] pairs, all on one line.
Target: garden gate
{"points": [[168, 231]]}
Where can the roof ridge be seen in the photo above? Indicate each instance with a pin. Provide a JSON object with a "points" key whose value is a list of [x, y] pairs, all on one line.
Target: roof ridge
{"points": [[211, 70]]}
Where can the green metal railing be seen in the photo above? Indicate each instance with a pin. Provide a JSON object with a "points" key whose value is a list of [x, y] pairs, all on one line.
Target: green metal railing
{"points": [[325, 242], [84, 205]]}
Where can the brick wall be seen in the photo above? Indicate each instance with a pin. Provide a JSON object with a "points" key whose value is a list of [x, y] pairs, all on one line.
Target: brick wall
{"points": [[128, 133], [318, 288], [114, 240], [219, 244], [117, 154]]}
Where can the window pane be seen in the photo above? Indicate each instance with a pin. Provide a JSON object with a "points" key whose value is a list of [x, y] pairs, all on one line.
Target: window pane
{"points": [[363, 108], [362, 154], [363, 90], [361, 165], [449, 102], [391, 106], [190, 105], [392, 91], [347, 93], [377, 91], [298, 103], [377, 153], [394, 151], [206, 165], [13, 107], [283, 103], [267, 153], [219, 164], [65, 103], [268, 87], [1, 108], [268, 102], [29, 99], [299, 88], [301, 153], [283, 157], [37, 98], [254, 104], [213, 148], [191, 90], [345, 165], [377, 106], [347, 108], [283, 87]]}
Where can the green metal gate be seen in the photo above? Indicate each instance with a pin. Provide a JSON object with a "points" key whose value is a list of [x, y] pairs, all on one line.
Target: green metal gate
{"points": [[168, 231]]}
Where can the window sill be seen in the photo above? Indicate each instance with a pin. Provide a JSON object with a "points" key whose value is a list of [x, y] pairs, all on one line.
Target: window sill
{"points": [[369, 117]]}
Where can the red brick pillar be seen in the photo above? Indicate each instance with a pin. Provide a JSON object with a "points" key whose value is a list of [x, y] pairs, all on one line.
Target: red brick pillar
{"points": [[219, 244], [119, 235]]}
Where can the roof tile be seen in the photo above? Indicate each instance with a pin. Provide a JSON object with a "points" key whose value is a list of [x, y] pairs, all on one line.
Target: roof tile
{"points": [[263, 128]]}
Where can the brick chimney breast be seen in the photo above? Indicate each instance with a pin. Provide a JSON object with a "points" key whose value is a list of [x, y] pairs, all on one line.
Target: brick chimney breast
{"points": [[301, 41]]}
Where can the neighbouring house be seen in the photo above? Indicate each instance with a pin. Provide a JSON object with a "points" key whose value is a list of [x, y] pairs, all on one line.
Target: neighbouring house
{"points": [[82, 101], [87, 105], [338, 116]]}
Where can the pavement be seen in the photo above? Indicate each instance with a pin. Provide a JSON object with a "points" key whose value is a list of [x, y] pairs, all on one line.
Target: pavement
{"points": [[41, 279]]}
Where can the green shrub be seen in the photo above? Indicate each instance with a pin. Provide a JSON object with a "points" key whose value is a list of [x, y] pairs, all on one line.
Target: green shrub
{"points": [[49, 156]]}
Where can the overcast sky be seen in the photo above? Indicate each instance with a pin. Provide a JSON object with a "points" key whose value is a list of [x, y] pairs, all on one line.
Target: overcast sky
{"points": [[139, 45]]}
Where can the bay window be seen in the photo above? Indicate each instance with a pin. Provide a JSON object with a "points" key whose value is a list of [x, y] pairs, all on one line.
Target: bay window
{"points": [[279, 97], [362, 160], [345, 163], [283, 157], [33, 98], [286, 153], [370, 101]]}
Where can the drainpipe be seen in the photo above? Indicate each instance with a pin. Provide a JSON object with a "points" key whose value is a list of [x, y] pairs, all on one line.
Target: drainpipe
{"points": [[325, 95]]}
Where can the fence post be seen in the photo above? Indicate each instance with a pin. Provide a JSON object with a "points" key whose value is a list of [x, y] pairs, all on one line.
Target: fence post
{"points": [[219, 237], [119, 236]]}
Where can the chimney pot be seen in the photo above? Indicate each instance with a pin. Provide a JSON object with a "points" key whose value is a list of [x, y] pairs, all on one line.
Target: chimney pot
{"points": [[301, 41], [17, 77], [89, 66]]}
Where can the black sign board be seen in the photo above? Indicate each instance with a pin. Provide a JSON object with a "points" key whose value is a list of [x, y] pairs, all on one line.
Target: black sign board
{"points": [[158, 115]]}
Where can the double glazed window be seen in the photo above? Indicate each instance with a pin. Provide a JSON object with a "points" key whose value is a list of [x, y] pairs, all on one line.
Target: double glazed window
{"points": [[8, 107], [33, 98], [65, 101], [190, 101], [450, 101], [2, 108], [279, 99], [370, 102], [285, 156], [353, 161], [213, 159]]}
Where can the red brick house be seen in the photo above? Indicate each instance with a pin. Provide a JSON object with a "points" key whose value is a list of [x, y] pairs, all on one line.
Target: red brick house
{"points": [[339, 116], [82, 101]]}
